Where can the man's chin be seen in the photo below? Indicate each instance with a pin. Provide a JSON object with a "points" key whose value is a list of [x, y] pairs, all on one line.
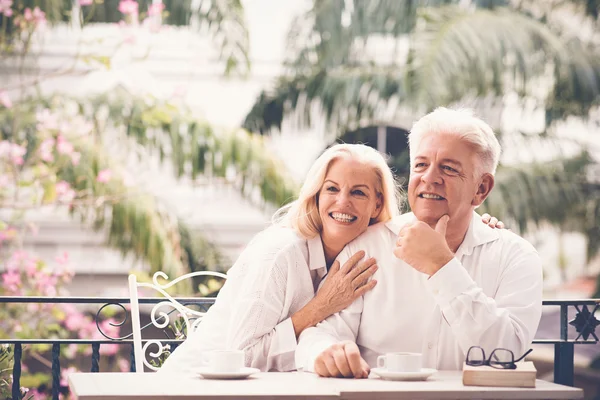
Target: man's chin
{"points": [[430, 219]]}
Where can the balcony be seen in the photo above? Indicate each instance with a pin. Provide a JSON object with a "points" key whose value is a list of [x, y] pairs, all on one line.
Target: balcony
{"points": [[576, 326]]}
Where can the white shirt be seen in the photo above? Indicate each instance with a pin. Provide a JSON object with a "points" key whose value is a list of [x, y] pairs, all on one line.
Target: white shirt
{"points": [[489, 294], [274, 277]]}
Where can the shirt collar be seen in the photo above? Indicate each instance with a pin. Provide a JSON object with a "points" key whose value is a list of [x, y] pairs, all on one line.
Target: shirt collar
{"points": [[316, 255], [478, 233]]}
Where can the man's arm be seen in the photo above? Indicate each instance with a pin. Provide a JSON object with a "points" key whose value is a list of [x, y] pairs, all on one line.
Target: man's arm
{"points": [[509, 319]]}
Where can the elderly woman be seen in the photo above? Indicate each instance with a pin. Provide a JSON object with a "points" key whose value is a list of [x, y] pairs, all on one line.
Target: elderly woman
{"points": [[269, 297]]}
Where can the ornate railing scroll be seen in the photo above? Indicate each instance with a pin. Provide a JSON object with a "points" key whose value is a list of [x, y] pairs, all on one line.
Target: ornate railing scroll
{"points": [[161, 319]]}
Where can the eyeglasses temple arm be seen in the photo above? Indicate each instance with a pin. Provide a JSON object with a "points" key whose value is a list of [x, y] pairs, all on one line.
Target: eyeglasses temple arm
{"points": [[524, 355]]}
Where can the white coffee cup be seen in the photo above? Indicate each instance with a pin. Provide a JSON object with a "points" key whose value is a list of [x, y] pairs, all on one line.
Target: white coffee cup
{"points": [[400, 362], [226, 360]]}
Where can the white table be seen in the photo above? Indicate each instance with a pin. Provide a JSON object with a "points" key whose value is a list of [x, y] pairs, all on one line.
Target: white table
{"points": [[297, 385]]}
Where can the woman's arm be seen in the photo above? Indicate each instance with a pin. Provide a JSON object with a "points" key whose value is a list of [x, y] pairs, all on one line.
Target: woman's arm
{"points": [[339, 290]]}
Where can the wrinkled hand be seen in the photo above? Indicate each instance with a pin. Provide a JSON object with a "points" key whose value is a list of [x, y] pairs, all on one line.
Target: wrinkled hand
{"points": [[423, 248], [342, 360], [492, 222], [346, 284]]}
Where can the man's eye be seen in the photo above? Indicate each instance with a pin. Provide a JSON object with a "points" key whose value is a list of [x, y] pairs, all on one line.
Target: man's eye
{"points": [[447, 168], [419, 165]]}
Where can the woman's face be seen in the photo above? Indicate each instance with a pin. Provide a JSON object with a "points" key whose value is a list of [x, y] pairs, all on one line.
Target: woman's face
{"points": [[347, 201]]}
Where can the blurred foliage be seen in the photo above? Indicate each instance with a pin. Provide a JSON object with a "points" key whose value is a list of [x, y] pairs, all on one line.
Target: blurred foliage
{"points": [[135, 221], [223, 20], [436, 53]]}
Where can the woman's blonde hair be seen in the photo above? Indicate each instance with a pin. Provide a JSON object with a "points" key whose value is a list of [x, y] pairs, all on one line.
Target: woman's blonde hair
{"points": [[303, 213]]}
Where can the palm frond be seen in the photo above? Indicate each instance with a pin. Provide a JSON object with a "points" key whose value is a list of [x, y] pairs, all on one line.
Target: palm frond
{"points": [[539, 192], [195, 148]]}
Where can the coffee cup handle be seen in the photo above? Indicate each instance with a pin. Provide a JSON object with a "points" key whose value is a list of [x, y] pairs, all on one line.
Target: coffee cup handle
{"points": [[381, 362]]}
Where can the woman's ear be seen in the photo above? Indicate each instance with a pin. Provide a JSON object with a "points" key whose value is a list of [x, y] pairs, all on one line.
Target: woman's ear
{"points": [[378, 207]]}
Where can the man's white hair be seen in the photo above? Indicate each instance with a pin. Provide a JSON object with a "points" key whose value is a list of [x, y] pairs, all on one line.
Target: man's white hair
{"points": [[466, 126]]}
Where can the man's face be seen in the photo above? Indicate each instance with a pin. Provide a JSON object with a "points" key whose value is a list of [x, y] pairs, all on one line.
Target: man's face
{"points": [[442, 179]]}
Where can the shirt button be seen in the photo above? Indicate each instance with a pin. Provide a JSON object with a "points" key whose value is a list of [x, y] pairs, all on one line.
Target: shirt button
{"points": [[436, 292], [430, 345]]}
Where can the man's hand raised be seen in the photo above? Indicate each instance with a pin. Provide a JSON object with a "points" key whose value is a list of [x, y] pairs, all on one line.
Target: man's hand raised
{"points": [[423, 248], [342, 360]]}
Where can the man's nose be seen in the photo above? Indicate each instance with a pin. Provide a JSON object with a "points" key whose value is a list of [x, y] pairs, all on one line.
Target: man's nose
{"points": [[432, 175]]}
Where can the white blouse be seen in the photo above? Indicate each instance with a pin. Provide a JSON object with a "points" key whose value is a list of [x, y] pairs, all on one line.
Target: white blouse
{"points": [[274, 277]]}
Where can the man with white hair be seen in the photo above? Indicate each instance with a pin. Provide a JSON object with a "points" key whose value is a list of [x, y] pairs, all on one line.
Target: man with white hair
{"points": [[446, 281]]}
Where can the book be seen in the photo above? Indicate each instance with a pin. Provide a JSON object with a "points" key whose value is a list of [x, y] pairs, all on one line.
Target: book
{"points": [[523, 376]]}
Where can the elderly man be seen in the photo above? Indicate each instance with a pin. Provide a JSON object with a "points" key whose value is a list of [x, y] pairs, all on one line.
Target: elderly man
{"points": [[446, 281]]}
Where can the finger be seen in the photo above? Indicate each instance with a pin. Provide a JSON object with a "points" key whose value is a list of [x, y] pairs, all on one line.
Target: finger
{"points": [[353, 260], [485, 218], [364, 288], [442, 225], [362, 267], [364, 276], [353, 358], [493, 222], [335, 267], [331, 366], [342, 364], [365, 367], [320, 367], [500, 225]]}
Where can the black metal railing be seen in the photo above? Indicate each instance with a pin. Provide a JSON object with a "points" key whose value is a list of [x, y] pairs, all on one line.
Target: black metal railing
{"points": [[584, 324]]}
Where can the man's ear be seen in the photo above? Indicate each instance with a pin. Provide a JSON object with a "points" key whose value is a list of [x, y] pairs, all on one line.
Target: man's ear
{"points": [[486, 184]]}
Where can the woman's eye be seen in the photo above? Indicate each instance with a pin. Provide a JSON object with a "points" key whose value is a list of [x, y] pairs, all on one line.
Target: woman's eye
{"points": [[358, 192], [331, 189]]}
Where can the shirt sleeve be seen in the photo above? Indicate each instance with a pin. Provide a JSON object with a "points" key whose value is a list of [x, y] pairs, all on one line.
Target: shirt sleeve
{"points": [[336, 328], [507, 320], [255, 325]]}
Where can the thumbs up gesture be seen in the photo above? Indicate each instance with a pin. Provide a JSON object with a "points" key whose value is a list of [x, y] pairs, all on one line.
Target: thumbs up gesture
{"points": [[423, 248]]}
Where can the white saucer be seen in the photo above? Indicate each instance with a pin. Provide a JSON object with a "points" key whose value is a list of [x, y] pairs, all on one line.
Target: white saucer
{"points": [[421, 375], [243, 373]]}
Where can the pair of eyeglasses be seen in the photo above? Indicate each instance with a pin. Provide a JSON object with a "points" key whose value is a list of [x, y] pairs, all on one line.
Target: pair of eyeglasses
{"points": [[500, 358]]}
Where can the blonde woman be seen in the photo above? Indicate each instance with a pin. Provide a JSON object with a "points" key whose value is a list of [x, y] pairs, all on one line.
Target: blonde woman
{"points": [[271, 294]]}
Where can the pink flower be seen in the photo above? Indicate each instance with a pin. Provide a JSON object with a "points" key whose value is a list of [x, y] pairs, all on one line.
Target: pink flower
{"points": [[64, 192], [12, 280], [155, 9], [63, 146], [104, 176], [39, 16], [86, 2], [47, 149], [63, 259], [5, 7], [128, 7], [28, 15], [31, 268], [123, 365], [4, 99], [46, 120], [64, 375], [75, 157], [16, 154]]}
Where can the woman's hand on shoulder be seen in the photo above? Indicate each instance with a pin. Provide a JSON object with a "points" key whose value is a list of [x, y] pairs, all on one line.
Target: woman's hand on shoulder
{"points": [[346, 284], [492, 222]]}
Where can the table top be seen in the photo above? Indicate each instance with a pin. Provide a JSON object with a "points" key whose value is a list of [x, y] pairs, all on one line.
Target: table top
{"points": [[297, 385]]}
